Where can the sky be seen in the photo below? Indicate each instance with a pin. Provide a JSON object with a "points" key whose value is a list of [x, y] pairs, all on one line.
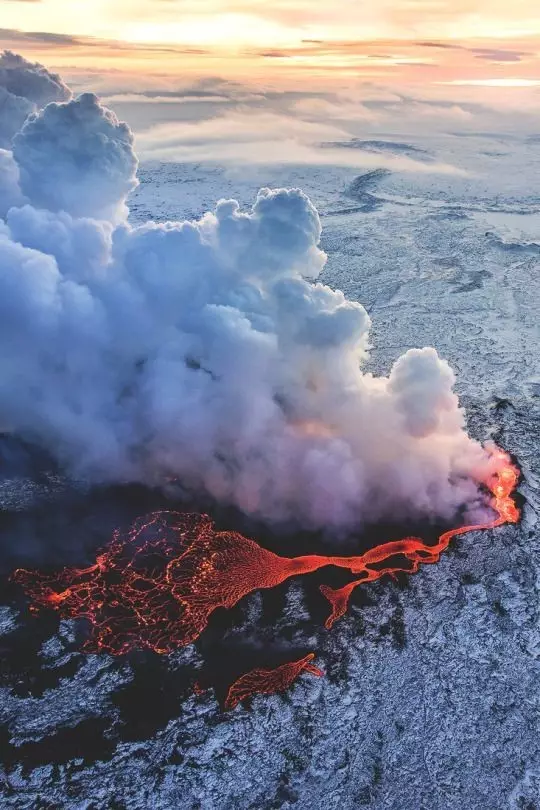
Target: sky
{"points": [[285, 41], [193, 74]]}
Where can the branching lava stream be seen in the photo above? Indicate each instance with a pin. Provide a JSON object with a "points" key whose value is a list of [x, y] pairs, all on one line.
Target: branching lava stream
{"points": [[157, 587]]}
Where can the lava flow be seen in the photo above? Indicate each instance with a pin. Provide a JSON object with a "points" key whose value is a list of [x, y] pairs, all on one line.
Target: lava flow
{"points": [[270, 681], [416, 552], [157, 587]]}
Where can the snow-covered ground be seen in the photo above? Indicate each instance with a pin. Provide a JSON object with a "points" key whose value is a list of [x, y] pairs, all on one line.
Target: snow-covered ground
{"points": [[432, 694]]}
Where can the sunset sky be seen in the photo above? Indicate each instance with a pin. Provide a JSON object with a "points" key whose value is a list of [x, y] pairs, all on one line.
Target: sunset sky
{"points": [[258, 80], [485, 42]]}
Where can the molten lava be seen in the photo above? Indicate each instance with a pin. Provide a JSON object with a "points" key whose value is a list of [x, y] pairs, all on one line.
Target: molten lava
{"points": [[270, 681], [416, 552], [157, 587]]}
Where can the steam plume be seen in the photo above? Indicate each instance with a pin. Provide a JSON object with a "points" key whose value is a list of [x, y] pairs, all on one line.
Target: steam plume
{"points": [[24, 88], [206, 350]]}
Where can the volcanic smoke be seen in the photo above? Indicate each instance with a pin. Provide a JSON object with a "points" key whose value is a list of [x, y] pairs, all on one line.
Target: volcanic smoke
{"points": [[159, 593], [205, 352]]}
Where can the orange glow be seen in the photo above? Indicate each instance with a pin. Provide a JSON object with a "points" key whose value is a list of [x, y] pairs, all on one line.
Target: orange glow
{"points": [[501, 82], [418, 553], [312, 427], [472, 42], [270, 681], [212, 20], [157, 587]]}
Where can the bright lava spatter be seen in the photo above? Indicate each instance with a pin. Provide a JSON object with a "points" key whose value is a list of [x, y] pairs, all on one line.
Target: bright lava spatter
{"points": [[270, 681], [156, 587]]}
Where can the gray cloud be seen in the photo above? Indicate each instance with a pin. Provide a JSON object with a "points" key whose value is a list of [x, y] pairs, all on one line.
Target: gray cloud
{"points": [[24, 88], [489, 54], [499, 54], [14, 35]]}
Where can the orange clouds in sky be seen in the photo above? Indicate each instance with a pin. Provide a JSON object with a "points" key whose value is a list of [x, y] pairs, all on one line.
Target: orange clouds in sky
{"points": [[286, 41]]}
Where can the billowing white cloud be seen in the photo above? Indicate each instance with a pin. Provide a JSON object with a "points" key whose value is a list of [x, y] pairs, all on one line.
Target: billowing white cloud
{"points": [[13, 113], [31, 80], [78, 158], [24, 88], [207, 351], [10, 192]]}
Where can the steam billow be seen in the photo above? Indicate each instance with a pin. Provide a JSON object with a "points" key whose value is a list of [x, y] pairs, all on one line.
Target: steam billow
{"points": [[205, 351]]}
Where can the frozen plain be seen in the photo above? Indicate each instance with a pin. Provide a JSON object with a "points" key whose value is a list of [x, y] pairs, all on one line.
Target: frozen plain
{"points": [[432, 694]]}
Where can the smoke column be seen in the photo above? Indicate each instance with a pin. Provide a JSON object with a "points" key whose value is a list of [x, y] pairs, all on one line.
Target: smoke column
{"points": [[204, 351], [25, 87]]}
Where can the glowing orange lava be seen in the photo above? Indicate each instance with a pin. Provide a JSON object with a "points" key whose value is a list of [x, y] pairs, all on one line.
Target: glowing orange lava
{"points": [[157, 587], [270, 681], [416, 552]]}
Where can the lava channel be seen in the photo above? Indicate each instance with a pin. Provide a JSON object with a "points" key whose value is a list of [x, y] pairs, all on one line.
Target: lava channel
{"points": [[157, 586], [270, 681]]}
